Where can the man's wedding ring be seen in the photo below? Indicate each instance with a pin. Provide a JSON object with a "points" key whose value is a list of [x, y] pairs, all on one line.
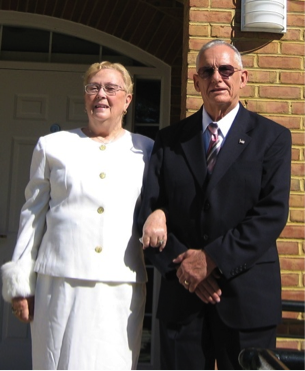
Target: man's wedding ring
{"points": [[186, 283]]}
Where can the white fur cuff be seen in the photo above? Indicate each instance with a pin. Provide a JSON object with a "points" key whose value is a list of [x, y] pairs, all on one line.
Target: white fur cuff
{"points": [[18, 279]]}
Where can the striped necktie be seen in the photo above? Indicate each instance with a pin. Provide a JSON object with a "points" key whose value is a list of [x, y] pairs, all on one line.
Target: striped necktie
{"points": [[214, 146]]}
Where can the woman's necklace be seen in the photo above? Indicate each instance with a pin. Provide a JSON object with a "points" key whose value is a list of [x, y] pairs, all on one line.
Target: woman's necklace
{"points": [[101, 139]]}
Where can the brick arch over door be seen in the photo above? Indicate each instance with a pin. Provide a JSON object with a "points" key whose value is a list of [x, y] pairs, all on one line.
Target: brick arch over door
{"points": [[154, 26]]}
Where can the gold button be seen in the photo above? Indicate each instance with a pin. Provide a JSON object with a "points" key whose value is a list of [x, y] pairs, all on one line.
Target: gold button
{"points": [[102, 147], [100, 210], [102, 175], [98, 249]]}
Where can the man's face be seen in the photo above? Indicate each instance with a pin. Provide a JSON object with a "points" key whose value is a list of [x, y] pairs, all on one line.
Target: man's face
{"points": [[219, 92]]}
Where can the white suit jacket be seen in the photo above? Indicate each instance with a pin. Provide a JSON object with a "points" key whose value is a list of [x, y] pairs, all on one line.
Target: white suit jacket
{"points": [[79, 217]]}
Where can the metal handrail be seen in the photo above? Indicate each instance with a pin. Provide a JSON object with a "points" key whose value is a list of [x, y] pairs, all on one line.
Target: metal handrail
{"points": [[293, 306], [275, 359]]}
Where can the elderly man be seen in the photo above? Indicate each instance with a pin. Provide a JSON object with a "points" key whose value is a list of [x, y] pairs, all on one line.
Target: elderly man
{"points": [[220, 180]]}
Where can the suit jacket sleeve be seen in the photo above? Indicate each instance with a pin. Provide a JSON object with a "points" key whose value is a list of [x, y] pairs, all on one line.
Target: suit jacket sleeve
{"points": [[154, 197]]}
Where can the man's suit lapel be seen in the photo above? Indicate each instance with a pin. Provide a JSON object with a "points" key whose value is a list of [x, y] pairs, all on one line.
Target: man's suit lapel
{"points": [[236, 142], [192, 144]]}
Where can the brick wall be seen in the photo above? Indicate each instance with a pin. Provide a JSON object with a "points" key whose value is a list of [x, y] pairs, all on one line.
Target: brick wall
{"points": [[276, 90]]}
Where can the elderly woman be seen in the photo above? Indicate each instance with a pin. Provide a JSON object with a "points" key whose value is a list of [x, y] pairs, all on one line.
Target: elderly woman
{"points": [[77, 272]]}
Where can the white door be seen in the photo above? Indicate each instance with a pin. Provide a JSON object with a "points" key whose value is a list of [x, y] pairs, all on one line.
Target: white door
{"points": [[33, 103]]}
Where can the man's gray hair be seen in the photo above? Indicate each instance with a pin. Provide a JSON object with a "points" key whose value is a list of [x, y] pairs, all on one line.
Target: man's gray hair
{"points": [[212, 43]]}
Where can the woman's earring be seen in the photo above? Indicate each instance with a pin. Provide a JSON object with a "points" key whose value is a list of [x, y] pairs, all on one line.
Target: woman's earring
{"points": [[124, 112]]}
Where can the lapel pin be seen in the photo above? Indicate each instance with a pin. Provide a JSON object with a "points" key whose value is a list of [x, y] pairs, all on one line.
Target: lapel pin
{"points": [[241, 141]]}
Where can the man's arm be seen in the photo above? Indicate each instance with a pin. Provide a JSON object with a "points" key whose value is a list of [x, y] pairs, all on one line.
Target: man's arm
{"points": [[154, 198]]}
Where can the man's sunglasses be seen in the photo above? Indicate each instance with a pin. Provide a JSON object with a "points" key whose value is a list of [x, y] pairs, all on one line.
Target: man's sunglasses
{"points": [[225, 71]]}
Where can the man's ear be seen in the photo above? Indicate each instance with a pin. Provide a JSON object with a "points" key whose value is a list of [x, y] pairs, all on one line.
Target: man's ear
{"points": [[196, 82], [243, 79]]}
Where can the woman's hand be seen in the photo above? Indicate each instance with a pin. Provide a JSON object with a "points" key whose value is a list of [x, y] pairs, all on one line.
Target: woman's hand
{"points": [[155, 230], [23, 308]]}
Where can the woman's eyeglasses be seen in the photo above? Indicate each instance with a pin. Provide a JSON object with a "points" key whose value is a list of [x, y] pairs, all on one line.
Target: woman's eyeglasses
{"points": [[109, 89], [225, 71]]}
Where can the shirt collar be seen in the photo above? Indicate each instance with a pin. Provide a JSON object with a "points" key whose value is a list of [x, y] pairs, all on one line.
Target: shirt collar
{"points": [[224, 124]]}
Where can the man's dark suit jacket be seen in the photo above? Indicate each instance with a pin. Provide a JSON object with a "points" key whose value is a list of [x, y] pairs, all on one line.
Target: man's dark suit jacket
{"points": [[235, 216]]}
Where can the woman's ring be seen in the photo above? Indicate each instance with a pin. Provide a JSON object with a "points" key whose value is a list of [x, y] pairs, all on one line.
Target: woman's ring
{"points": [[161, 242], [186, 283]]}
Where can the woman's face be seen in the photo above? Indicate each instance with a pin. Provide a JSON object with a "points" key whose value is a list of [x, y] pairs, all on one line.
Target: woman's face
{"points": [[107, 107]]}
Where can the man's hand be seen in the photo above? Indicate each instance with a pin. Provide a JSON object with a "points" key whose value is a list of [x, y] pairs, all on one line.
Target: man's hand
{"points": [[155, 230], [194, 267], [208, 290], [23, 308]]}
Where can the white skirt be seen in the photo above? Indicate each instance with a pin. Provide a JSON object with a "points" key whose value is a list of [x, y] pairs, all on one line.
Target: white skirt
{"points": [[86, 325]]}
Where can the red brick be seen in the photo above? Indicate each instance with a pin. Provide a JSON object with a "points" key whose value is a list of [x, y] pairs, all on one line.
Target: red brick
{"points": [[290, 280], [287, 344], [290, 315], [293, 49], [297, 216], [296, 200], [295, 185], [296, 6], [292, 264], [297, 169], [280, 92], [270, 48], [297, 295], [193, 103], [268, 107], [298, 108], [191, 90], [221, 32], [292, 34], [196, 44], [262, 76], [293, 231], [191, 58], [295, 20], [190, 74], [298, 139], [280, 62], [226, 4], [199, 3], [199, 30], [254, 43], [248, 61], [292, 78], [248, 91], [295, 154], [287, 247], [210, 16]]}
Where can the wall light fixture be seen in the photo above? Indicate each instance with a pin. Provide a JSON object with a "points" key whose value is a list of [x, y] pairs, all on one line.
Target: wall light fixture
{"points": [[264, 16]]}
